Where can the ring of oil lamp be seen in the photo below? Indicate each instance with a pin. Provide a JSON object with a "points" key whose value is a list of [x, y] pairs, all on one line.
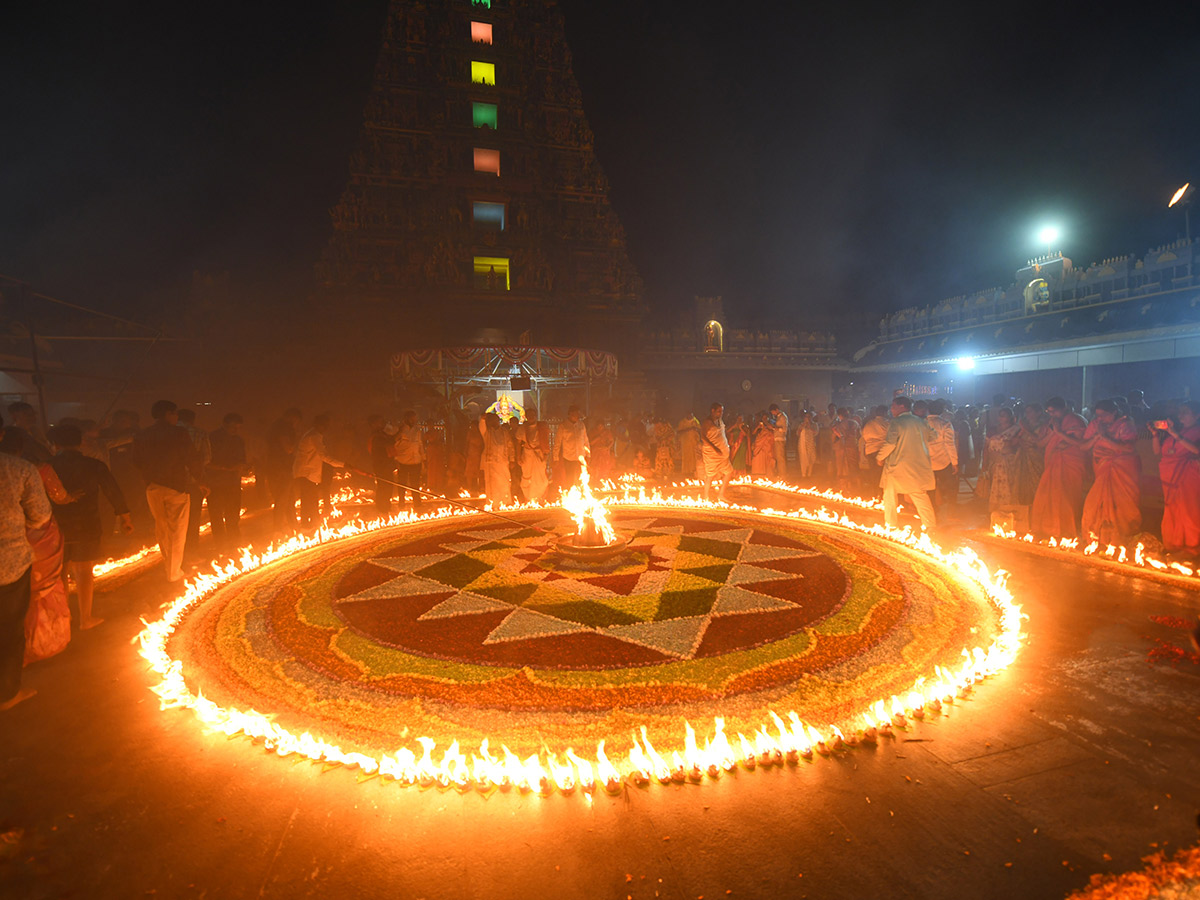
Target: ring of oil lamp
{"points": [[782, 735]]}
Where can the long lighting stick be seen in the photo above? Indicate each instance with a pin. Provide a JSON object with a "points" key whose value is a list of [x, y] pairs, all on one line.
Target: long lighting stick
{"points": [[432, 496]]}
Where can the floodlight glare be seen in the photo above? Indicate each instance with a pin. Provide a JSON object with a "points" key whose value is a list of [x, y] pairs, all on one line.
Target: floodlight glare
{"points": [[1179, 195], [1049, 234], [966, 363]]}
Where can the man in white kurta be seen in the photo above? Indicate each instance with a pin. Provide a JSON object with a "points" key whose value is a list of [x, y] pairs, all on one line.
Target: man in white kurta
{"points": [[714, 452], [497, 454], [906, 467]]}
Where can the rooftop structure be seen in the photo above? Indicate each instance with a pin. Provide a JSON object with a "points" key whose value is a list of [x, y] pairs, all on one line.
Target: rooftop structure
{"points": [[1054, 315]]}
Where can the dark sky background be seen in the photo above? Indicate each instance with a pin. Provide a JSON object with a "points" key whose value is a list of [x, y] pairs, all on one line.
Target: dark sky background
{"points": [[817, 165]]}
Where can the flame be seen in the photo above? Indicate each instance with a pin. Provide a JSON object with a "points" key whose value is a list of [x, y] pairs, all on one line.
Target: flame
{"points": [[587, 780], [643, 762], [605, 769], [563, 774], [583, 506], [1111, 554]]}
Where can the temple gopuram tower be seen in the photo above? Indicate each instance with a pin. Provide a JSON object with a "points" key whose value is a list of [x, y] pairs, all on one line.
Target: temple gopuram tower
{"points": [[476, 210]]}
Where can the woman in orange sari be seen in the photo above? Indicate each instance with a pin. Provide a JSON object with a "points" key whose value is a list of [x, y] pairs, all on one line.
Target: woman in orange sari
{"points": [[762, 448], [48, 622], [1112, 510], [1058, 501], [1178, 449]]}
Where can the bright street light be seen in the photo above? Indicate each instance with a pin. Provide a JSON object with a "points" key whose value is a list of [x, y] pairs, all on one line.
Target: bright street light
{"points": [[1183, 197], [1049, 235]]}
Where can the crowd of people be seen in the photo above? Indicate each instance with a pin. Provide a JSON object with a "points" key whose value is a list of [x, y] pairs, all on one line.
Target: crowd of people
{"points": [[1042, 468]]}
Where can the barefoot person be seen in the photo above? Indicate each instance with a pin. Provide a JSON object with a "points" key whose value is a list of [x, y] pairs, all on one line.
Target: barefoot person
{"points": [[23, 505], [84, 478], [906, 465], [1058, 502], [714, 452]]}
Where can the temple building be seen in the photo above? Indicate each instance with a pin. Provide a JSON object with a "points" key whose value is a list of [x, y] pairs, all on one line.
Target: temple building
{"points": [[476, 212], [706, 359], [1083, 333]]}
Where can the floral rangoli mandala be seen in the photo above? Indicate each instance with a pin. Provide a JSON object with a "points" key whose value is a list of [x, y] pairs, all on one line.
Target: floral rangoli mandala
{"points": [[471, 628]]}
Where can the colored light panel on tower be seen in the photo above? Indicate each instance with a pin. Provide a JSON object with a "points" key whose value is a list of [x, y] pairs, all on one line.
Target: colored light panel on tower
{"points": [[491, 273], [483, 72], [488, 216], [484, 115], [481, 32], [487, 161]]}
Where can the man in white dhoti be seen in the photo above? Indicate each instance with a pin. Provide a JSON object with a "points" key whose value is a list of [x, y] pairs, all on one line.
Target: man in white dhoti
{"points": [[497, 454], [714, 452], [906, 466], [533, 447]]}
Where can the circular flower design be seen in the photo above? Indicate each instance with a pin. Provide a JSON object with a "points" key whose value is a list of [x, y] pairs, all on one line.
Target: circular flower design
{"points": [[470, 628]]}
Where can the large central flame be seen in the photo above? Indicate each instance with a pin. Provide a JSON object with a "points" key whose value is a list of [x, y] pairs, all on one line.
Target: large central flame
{"points": [[591, 518]]}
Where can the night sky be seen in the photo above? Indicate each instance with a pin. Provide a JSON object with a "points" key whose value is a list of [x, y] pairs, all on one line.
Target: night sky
{"points": [[816, 166]]}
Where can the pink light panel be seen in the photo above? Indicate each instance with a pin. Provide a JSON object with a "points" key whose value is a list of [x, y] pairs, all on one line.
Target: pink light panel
{"points": [[487, 161], [481, 32]]}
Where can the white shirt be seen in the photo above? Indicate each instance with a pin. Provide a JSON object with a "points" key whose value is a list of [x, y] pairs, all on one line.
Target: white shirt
{"points": [[410, 446], [873, 434], [573, 441], [781, 425], [943, 447], [310, 453]]}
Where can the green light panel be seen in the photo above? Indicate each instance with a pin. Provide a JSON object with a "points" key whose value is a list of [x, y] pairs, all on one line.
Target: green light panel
{"points": [[483, 115]]}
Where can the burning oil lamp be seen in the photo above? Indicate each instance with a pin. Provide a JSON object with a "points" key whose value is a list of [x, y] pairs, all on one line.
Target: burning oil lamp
{"points": [[594, 540]]}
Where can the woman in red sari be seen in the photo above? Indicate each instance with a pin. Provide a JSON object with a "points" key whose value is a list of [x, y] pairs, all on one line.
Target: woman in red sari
{"points": [[1178, 449], [1112, 511], [1058, 502]]}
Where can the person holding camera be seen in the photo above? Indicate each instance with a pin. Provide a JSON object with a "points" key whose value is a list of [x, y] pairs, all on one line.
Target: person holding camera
{"points": [[1177, 446]]}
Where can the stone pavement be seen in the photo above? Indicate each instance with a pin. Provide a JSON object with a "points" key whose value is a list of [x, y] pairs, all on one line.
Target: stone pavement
{"points": [[1080, 758]]}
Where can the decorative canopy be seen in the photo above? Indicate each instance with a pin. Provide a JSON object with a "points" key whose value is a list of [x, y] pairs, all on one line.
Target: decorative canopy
{"points": [[495, 367]]}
